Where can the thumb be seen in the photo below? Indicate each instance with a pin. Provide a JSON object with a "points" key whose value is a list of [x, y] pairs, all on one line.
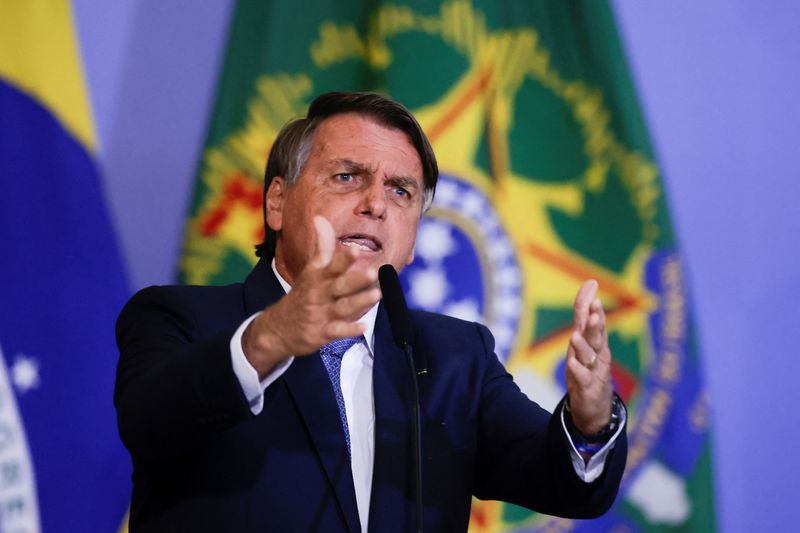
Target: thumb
{"points": [[326, 242]]}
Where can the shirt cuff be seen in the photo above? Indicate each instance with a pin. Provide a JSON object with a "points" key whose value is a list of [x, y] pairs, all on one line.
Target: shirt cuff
{"points": [[252, 387], [592, 469]]}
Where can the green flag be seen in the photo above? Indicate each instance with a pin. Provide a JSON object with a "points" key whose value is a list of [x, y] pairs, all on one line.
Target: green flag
{"points": [[548, 178]]}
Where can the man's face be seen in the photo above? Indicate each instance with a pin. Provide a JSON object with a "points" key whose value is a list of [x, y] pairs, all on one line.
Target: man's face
{"points": [[366, 179]]}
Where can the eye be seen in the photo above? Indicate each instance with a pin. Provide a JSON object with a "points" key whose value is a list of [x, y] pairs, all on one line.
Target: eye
{"points": [[345, 177], [400, 195]]}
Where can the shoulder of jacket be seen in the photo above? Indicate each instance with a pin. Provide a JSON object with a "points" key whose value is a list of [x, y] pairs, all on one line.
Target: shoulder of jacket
{"points": [[186, 293], [427, 320]]}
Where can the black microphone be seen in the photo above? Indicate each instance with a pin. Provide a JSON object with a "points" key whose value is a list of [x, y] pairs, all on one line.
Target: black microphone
{"points": [[400, 323], [396, 308]]}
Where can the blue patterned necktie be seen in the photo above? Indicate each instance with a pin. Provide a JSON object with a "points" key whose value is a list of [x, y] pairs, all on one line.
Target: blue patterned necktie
{"points": [[331, 354]]}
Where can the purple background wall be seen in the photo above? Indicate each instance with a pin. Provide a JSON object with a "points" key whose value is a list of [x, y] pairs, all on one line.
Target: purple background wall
{"points": [[718, 82]]}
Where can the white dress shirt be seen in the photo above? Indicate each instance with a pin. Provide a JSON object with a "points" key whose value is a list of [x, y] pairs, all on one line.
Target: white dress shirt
{"points": [[356, 383]]}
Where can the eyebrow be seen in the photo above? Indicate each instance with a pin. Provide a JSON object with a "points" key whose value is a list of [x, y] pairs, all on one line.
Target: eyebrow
{"points": [[360, 168], [403, 181], [353, 166]]}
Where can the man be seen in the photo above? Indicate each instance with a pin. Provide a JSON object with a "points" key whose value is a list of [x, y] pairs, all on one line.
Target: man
{"points": [[240, 415]]}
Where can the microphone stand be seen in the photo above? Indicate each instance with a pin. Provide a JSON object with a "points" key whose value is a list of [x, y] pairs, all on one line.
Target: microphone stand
{"points": [[402, 331], [416, 425]]}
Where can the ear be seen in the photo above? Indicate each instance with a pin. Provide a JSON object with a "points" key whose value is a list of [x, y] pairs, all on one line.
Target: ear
{"points": [[274, 199], [410, 258]]}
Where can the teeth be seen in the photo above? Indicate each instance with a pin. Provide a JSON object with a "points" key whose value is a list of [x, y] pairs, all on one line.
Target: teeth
{"points": [[356, 245]]}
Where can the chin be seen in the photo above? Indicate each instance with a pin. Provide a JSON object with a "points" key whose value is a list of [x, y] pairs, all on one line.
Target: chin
{"points": [[366, 260]]}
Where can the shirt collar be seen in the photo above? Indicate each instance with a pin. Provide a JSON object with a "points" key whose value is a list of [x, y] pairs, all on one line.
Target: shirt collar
{"points": [[368, 319]]}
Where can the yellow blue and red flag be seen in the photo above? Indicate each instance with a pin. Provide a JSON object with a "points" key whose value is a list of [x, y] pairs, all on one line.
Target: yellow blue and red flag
{"points": [[62, 467]]}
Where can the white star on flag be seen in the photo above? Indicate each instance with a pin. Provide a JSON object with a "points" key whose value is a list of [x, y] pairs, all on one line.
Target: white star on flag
{"points": [[25, 373]]}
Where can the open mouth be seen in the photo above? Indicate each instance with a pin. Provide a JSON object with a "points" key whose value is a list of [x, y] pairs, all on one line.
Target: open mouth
{"points": [[366, 243]]}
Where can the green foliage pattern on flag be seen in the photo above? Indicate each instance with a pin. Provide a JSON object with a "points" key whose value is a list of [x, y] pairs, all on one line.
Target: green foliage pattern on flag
{"points": [[548, 178]]}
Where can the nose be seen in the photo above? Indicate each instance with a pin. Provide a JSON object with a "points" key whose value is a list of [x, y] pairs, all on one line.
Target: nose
{"points": [[373, 200]]}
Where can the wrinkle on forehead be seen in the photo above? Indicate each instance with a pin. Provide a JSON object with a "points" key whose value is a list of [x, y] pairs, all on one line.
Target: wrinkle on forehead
{"points": [[355, 166], [383, 134]]}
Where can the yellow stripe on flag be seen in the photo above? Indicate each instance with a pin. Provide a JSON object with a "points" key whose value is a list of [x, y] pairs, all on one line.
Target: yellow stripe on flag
{"points": [[39, 55]]}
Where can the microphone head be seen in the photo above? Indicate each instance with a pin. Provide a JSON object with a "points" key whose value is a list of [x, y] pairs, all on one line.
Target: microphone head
{"points": [[395, 303]]}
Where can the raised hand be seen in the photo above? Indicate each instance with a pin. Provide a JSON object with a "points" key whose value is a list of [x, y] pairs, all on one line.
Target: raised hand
{"points": [[588, 370], [326, 300]]}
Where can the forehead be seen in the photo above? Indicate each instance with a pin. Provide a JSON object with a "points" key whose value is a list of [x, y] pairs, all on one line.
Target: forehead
{"points": [[363, 139]]}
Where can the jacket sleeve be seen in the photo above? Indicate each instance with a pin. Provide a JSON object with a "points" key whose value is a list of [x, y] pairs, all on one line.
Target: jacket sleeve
{"points": [[174, 383], [523, 453]]}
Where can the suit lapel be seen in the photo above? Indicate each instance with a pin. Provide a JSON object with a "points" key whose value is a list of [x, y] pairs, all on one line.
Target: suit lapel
{"points": [[392, 480], [309, 386]]}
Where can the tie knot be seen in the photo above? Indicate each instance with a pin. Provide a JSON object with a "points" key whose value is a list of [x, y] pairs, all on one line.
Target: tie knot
{"points": [[337, 347]]}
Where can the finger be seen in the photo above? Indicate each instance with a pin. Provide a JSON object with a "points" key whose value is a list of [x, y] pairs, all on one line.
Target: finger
{"points": [[352, 282], [584, 353], [595, 332], [342, 260], [583, 300], [338, 329], [326, 242], [353, 307], [597, 307], [578, 373]]}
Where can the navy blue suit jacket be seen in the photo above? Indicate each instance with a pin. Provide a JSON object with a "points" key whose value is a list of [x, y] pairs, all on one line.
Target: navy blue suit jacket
{"points": [[203, 462]]}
